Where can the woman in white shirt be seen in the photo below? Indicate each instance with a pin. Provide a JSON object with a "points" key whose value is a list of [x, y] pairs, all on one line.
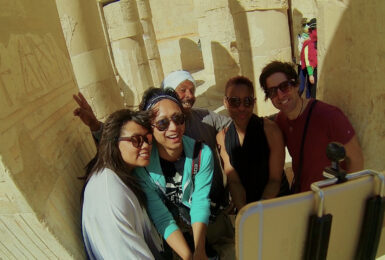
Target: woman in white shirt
{"points": [[115, 224]]}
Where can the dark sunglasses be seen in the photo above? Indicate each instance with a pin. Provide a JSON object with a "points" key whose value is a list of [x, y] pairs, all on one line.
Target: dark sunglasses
{"points": [[284, 87], [137, 140], [236, 101], [163, 124]]}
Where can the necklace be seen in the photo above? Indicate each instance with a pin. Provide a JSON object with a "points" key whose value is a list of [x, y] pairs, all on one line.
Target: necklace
{"points": [[300, 109], [299, 113]]}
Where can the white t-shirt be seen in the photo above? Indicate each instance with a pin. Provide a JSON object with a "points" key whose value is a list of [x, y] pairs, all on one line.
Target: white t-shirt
{"points": [[114, 224]]}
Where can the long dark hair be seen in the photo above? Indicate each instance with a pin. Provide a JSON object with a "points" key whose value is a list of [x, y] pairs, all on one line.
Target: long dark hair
{"points": [[108, 155]]}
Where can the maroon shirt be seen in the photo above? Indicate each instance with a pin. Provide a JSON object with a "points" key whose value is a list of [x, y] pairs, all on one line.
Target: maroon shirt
{"points": [[327, 124]]}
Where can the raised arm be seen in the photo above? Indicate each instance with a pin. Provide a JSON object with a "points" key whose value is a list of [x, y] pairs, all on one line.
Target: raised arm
{"points": [[276, 158], [85, 113], [237, 191]]}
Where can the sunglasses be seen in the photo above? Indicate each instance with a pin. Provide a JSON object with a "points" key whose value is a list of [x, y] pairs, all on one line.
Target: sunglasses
{"points": [[163, 124], [284, 87], [137, 140], [236, 101]]}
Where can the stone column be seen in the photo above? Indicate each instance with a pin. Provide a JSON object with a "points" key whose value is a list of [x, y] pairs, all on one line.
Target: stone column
{"points": [[150, 43], [87, 46], [262, 33], [219, 48], [128, 48]]}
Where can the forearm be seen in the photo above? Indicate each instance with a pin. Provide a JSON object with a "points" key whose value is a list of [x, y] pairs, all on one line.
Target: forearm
{"points": [[272, 189], [199, 232], [354, 160], [177, 242], [354, 165], [238, 194], [95, 125]]}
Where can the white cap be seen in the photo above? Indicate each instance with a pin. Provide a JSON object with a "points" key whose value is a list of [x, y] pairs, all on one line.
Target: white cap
{"points": [[173, 79]]}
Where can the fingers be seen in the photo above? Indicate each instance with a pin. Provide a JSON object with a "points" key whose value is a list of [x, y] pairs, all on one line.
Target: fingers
{"points": [[78, 99], [82, 101], [77, 111]]}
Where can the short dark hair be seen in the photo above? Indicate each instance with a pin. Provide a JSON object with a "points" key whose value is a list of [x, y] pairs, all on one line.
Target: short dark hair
{"points": [[240, 80], [286, 68], [153, 95]]}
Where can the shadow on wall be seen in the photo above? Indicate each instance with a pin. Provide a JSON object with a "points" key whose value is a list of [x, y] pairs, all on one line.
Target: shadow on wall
{"points": [[190, 55], [125, 90], [225, 66], [243, 45], [352, 70]]}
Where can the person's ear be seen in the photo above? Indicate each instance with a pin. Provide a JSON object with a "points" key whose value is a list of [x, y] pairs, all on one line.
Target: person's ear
{"points": [[225, 102]]}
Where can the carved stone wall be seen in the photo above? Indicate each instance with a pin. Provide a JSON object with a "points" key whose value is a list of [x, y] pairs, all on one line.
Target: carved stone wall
{"points": [[43, 148]]}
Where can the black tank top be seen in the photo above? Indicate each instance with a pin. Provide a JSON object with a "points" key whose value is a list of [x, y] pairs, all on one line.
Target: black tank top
{"points": [[251, 160]]}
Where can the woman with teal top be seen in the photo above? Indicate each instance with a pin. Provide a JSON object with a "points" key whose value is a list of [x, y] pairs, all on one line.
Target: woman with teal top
{"points": [[177, 197]]}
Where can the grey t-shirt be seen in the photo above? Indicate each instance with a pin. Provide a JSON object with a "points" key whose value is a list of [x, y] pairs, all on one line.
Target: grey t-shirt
{"points": [[203, 125]]}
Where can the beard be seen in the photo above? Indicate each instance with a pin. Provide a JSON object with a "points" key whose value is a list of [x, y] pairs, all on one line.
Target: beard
{"points": [[188, 103]]}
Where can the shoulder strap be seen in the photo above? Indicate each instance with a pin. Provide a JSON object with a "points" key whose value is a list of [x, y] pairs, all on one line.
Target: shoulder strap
{"points": [[196, 162], [297, 178]]}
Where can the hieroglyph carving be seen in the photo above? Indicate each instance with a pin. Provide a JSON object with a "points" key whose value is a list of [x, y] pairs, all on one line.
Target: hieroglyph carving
{"points": [[29, 66]]}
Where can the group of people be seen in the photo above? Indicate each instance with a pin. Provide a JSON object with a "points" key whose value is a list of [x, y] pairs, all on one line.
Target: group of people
{"points": [[157, 187]]}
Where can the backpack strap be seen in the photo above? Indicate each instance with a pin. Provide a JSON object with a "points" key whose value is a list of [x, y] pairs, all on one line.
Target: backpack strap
{"points": [[196, 161]]}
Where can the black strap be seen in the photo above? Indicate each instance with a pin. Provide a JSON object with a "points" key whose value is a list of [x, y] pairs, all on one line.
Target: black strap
{"points": [[296, 184], [196, 161]]}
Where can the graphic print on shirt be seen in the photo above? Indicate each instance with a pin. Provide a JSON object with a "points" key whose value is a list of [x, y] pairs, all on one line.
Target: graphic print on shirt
{"points": [[174, 188]]}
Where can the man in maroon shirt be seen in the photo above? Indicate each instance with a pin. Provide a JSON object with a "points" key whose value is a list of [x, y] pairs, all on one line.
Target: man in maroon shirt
{"points": [[326, 124]]}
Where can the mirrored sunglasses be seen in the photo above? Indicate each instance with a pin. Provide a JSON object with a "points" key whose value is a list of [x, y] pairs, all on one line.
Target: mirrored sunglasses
{"points": [[163, 124], [137, 140], [284, 87], [236, 101]]}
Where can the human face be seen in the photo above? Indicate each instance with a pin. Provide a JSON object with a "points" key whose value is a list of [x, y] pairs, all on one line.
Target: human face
{"points": [[186, 93], [170, 138], [286, 101], [135, 156], [241, 114]]}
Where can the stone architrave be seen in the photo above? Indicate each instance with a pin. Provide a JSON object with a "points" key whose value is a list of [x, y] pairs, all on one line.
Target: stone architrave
{"points": [[150, 43], [262, 34], [88, 49], [128, 48]]}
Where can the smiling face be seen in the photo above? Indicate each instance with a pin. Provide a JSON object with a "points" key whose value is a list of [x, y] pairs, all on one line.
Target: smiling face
{"points": [[171, 138], [186, 94], [284, 101], [131, 155], [241, 114]]}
